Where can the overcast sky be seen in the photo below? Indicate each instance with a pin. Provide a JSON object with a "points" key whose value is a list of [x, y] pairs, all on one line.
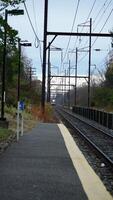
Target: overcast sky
{"points": [[61, 14]]}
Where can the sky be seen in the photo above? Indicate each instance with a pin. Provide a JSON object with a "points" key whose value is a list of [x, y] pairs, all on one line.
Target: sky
{"points": [[60, 18]]}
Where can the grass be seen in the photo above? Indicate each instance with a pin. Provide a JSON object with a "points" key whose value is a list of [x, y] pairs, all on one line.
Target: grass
{"points": [[29, 121], [10, 114], [31, 118], [48, 116], [5, 134]]}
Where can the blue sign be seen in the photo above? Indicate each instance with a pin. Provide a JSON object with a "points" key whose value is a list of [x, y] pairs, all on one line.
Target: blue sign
{"points": [[21, 105]]}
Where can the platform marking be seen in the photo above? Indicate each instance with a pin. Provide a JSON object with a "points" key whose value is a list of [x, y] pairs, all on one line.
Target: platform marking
{"points": [[91, 183]]}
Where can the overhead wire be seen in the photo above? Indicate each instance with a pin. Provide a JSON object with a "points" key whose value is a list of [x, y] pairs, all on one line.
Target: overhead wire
{"points": [[71, 29], [35, 16], [98, 14], [103, 25], [100, 10], [31, 22], [36, 45], [86, 20], [101, 17], [36, 36], [99, 32], [91, 10], [98, 21], [89, 14]]}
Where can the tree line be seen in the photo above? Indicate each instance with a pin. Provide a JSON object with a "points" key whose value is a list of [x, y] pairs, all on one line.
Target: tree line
{"points": [[30, 91], [101, 89]]}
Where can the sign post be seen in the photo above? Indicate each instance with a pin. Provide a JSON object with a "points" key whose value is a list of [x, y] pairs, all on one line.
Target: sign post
{"points": [[20, 108]]}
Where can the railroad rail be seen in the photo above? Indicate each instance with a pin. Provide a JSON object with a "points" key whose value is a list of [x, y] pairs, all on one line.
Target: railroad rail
{"points": [[99, 140]]}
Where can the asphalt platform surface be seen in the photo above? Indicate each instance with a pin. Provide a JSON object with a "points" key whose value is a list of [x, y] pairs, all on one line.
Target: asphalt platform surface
{"points": [[38, 167]]}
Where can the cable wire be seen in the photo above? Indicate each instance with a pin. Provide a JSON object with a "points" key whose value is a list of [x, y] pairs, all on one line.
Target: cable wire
{"points": [[100, 11], [101, 17], [91, 10], [31, 22], [36, 45], [71, 30], [103, 26], [39, 45], [99, 32], [86, 20]]}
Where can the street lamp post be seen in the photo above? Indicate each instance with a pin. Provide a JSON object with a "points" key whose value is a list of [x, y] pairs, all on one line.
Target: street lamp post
{"points": [[25, 44], [11, 12]]}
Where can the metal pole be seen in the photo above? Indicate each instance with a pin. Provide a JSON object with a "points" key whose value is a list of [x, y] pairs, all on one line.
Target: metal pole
{"points": [[69, 85], [18, 93], [22, 124], [76, 76], [80, 34], [89, 71], [19, 66], [49, 74], [4, 68], [62, 92], [44, 56], [30, 77], [65, 89]]}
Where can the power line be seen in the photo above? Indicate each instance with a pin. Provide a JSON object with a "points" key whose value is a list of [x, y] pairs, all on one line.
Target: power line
{"points": [[35, 15], [100, 11], [71, 30], [91, 9], [31, 22], [100, 18], [103, 25], [36, 45], [39, 45], [89, 15], [99, 32], [86, 20]]}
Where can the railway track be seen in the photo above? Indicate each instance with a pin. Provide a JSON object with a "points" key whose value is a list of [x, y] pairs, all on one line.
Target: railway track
{"points": [[99, 140]]}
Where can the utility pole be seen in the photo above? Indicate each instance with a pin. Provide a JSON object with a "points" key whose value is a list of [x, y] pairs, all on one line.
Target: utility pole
{"points": [[44, 56], [4, 68], [62, 91], [89, 71], [65, 89], [19, 66], [49, 74], [76, 76], [25, 44], [30, 77], [69, 85]]}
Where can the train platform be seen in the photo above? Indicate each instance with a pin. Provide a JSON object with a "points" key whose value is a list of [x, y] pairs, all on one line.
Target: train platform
{"points": [[46, 164]]}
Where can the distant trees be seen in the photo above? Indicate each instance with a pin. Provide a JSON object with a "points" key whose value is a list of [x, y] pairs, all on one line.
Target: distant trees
{"points": [[103, 94], [101, 89], [109, 73]]}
